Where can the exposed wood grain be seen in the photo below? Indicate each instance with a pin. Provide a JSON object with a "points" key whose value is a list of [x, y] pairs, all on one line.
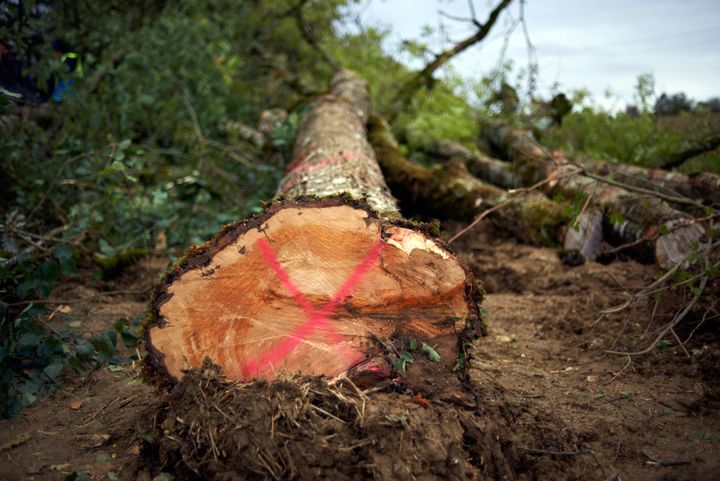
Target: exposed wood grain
{"points": [[324, 280]]}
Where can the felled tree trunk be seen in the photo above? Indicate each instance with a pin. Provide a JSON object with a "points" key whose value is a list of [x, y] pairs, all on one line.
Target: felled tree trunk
{"points": [[483, 167], [654, 229], [324, 280], [705, 186], [451, 191], [579, 235]]}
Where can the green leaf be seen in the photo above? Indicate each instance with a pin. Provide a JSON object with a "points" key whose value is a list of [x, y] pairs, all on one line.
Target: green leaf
{"points": [[53, 370], [616, 218], [403, 359], [63, 252], [431, 353], [28, 340], [413, 344], [29, 399]]}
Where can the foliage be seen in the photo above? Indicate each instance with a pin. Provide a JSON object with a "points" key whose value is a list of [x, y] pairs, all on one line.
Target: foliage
{"points": [[33, 355], [642, 136], [135, 152], [438, 114]]}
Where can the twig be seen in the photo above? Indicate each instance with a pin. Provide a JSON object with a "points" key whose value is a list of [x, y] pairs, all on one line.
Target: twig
{"points": [[679, 225], [321, 410], [677, 338], [702, 321], [584, 208], [658, 462], [677, 318], [645, 291], [620, 371]]}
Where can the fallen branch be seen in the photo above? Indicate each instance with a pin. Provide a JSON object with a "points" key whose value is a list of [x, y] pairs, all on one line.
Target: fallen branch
{"points": [[630, 213], [681, 314]]}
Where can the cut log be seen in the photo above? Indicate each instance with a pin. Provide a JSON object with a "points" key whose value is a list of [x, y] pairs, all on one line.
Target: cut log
{"points": [[483, 167], [705, 186], [325, 280], [581, 236], [451, 191], [655, 230]]}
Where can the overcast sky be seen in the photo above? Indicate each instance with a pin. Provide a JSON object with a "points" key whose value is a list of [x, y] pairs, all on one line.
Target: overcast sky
{"points": [[581, 43]]}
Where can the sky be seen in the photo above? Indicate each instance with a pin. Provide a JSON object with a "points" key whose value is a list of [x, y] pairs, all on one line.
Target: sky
{"points": [[592, 44]]}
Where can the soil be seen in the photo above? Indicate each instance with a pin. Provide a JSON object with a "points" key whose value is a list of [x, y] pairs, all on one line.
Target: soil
{"points": [[545, 401]]}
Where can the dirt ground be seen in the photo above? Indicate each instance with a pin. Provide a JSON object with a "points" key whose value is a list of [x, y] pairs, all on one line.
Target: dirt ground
{"points": [[561, 407]]}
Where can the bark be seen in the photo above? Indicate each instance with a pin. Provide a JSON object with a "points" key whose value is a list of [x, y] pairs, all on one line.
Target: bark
{"points": [[705, 186], [582, 234], [630, 218], [451, 191], [486, 168], [322, 282]]}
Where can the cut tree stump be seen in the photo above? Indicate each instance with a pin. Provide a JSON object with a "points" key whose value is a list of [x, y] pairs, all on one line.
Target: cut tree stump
{"points": [[325, 281]]}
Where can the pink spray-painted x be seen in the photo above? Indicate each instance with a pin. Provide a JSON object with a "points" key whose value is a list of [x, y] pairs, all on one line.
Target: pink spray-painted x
{"points": [[317, 318]]}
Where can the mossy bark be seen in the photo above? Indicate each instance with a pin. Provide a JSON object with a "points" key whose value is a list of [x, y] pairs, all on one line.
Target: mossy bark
{"points": [[581, 235], [630, 217], [481, 166], [449, 190]]}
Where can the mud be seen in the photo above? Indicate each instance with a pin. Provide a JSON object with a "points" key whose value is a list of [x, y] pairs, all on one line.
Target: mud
{"points": [[542, 400]]}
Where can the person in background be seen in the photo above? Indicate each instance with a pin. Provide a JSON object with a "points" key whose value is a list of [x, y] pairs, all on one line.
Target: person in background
{"points": [[74, 69]]}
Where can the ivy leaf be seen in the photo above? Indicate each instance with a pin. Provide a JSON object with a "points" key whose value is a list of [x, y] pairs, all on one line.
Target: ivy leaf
{"points": [[404, 359]]}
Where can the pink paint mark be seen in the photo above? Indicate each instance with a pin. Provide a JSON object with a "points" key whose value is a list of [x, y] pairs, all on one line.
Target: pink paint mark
{"points": [[311, 165], [303, 163], [316, 318]]}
